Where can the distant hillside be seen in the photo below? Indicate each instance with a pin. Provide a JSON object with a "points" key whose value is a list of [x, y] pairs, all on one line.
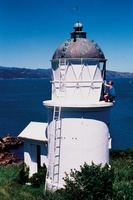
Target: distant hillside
{"points": [[113, 74], [14, 72]]}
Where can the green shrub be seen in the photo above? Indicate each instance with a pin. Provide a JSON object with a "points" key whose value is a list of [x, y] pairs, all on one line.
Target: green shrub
{"points": [[57, 195], [23, 174], [91, 182], [121, 154], [38, 178], [123, 191]]}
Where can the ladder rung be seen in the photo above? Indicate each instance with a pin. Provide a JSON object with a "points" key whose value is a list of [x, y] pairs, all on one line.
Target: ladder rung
{"points": [[57, 156], [57, 147], [59, 128], [57, 111], [56, 174], [56, 165], [58, 137]]}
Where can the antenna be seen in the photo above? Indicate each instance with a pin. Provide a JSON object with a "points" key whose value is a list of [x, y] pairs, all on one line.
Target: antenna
{"points": [[77, 9]]}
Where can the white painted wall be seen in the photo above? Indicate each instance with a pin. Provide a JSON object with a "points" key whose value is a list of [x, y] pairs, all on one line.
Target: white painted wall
{"points": [[83, 141], [83, 133], [84, 138], [77, 83], [30, 155]]}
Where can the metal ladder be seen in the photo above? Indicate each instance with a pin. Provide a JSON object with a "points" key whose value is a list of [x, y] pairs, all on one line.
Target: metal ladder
{"points": [[57, 143], [62, 61], [50, 154], [62, 81]]}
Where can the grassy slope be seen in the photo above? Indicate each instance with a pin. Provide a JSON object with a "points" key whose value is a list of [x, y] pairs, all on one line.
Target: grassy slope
{"points": [[11, 187], [122, 163]]}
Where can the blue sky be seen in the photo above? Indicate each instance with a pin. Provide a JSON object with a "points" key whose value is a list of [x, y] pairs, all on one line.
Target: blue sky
{"points": [[31, 30]]}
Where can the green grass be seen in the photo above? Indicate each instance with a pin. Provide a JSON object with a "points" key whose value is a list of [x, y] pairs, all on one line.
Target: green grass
{"points": [[122, 163], [12, 178], [11, 187]]}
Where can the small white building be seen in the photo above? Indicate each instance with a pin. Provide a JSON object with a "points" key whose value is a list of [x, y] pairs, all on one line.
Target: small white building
{"points": [[35, 146]]}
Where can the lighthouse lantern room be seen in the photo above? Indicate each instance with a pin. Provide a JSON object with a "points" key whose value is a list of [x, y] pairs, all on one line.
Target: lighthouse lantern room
{"points": [[78, 118]]}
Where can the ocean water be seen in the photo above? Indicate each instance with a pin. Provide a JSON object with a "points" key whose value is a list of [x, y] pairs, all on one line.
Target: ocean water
{"points": [[121, 118], [21, 102]]}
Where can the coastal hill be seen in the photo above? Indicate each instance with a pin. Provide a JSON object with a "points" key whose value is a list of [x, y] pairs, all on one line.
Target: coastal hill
{"points": [[113, 74], [15, 72]]}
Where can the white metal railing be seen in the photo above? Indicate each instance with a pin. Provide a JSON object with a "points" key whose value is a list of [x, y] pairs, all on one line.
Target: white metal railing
{"points": [[78, 81]]}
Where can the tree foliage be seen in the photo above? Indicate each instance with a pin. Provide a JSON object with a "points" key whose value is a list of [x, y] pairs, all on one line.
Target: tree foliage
{"points": [[91, 182]]}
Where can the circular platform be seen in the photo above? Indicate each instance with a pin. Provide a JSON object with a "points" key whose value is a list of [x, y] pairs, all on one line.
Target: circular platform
{"points": [[100, 104]]}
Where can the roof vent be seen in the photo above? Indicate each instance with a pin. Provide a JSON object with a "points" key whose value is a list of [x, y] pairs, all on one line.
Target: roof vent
{"points": [[78, 33]]}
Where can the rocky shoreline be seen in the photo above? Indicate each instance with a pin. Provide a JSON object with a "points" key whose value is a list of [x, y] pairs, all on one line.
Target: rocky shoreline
{"points": [[6, 157]]}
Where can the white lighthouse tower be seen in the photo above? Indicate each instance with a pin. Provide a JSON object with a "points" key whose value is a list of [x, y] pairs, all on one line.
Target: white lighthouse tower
{"points": [[78, 118]]}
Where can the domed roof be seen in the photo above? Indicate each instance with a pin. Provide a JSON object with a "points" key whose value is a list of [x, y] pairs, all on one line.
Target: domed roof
{"points": [[78, 46]]}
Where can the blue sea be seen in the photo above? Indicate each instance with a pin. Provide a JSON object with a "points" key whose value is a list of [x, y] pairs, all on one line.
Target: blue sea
{"points": [[21, 102]]}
